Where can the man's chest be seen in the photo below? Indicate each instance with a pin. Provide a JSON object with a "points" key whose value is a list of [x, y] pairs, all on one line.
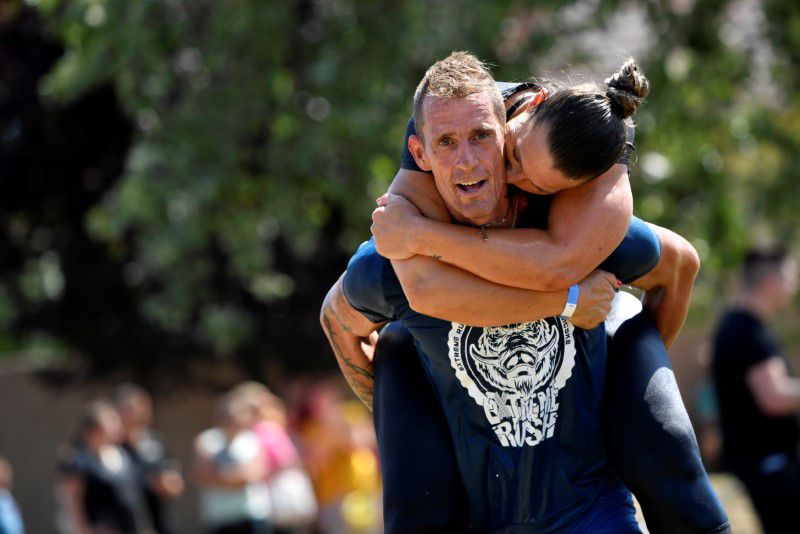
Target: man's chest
{"points": [[506, 378]]}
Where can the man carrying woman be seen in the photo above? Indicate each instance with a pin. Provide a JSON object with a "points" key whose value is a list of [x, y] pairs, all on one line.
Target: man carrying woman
{"points": [[520, 402]]}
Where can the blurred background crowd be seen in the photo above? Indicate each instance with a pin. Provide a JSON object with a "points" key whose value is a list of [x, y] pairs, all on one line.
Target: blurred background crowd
{"points": [[262, 467], [183, 180]]}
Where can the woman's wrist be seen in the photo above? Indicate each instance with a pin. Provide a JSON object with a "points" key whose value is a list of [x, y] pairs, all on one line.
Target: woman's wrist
{"points": [[419, 236]]}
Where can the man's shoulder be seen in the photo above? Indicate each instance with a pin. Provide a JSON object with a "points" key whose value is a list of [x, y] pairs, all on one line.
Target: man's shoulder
{"points": [[742, 340]]}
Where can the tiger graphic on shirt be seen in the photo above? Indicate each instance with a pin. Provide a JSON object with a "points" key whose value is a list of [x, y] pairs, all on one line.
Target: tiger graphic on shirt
{"points": [[515, 373]]}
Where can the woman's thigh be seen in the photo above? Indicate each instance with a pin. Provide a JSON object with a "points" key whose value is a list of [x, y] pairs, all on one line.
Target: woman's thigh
{"points": [[650, 438]]}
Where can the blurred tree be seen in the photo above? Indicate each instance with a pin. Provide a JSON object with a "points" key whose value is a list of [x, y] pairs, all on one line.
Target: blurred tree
{"points": [[187, 177]]}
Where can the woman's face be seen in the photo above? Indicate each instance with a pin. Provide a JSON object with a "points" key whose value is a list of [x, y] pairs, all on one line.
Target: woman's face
{"points": [[529, 165]]}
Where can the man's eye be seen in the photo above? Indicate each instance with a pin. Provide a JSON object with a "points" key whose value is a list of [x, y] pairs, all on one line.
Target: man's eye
{"points": [[482, 135], [445, 141]]}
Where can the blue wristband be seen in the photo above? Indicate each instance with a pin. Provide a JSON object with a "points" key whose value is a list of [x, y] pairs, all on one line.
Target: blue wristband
{"points": [[572, 301]]}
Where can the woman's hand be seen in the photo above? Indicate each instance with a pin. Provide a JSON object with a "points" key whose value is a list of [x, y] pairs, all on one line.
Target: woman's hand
{"points": [[393, 226], [594, 299]]}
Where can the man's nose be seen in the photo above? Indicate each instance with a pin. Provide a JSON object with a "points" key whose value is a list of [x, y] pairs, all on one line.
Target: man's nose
{"points": [[467, 158]]}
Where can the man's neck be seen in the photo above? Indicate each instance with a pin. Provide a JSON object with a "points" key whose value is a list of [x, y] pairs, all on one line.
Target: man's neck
{"points": [[758, 305], [501, 217]]}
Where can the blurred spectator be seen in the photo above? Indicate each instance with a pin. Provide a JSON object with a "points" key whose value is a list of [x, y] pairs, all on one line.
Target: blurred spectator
{"points": [[10, 519], [230, 468], [101, 483], [758, 398], [292, 495], [160, 475], [339, 451]]}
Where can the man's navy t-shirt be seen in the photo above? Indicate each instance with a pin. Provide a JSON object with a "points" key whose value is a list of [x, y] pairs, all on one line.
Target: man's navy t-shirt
{"points": [[522, 401], [749, 436]]}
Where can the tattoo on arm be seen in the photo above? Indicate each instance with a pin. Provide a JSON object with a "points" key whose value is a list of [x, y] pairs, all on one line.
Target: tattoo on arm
{"points": [[353, 362]]}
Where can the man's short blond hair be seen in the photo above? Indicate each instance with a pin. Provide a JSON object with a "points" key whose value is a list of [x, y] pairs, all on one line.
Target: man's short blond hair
{"points": [[457, 76]]}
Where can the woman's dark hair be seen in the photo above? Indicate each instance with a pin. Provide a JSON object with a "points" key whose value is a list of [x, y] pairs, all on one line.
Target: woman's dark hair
{"points": [[587, 123]]}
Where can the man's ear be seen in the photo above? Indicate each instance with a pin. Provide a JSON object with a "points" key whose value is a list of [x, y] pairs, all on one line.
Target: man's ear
{"points": [[417, 149]]}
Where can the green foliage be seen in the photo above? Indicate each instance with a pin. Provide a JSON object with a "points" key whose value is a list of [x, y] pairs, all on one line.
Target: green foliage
{"points": [[263, 118]]}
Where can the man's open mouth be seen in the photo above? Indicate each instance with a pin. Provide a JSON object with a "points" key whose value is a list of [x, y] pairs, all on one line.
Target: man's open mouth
{"points": [[472, 186]]}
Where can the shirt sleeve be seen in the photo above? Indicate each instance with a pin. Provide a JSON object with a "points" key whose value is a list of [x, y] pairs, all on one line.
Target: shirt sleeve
{"points": [[407, 161], [637, 255], [755, 345], [365, 283]]}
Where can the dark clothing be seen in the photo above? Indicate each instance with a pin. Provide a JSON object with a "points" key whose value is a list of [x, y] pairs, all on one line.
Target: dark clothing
{"points": [[507, 89], [741, 342], [422, 487], [522, 401], [760, 450], [422, 464], [150, 454], [775, 493], [249, 526], [642, 411], [112, 498], [650, 438]]}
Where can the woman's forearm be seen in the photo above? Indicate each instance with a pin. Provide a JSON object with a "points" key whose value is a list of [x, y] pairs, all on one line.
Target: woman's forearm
{"points": [[522, 258]]}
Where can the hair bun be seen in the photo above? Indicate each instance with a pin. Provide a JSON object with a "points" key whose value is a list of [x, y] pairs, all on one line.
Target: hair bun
{"points": [[627, 88]]}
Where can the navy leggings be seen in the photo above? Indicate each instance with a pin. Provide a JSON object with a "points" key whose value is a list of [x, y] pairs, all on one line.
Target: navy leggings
{"points": [[649, 438]]}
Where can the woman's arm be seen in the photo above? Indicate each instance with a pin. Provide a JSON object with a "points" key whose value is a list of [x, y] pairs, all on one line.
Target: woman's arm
{"points": [[668, 287], [439, 290], [585, 224], [419, 189]]}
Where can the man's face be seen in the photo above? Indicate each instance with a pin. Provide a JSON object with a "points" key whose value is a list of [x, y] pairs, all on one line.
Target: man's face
{"points": [[462, 143]]}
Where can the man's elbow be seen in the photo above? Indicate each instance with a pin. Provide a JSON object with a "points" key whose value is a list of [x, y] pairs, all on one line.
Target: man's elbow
{"points": [[415, 287], [324, 320], [417, 296], [557, 279], [561, 275]]}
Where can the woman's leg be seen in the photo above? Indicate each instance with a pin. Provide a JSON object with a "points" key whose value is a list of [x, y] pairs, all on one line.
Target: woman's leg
{"points": [[650, 438], [422, 487]]}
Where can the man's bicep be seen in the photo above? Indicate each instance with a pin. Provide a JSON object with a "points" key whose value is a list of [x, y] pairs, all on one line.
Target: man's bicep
{"points": [[337, 311]]}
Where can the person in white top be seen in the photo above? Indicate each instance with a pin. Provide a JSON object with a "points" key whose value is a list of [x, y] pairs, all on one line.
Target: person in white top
{"points": [[229, 467]]}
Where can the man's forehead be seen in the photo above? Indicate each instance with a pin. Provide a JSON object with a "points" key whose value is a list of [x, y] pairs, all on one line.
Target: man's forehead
{"points": [[472, 111]]}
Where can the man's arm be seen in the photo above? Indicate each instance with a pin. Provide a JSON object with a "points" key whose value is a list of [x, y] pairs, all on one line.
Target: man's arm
{"points": [[347, 331], [776, 393], [585, 224], [439, 290], [668, 287]]}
